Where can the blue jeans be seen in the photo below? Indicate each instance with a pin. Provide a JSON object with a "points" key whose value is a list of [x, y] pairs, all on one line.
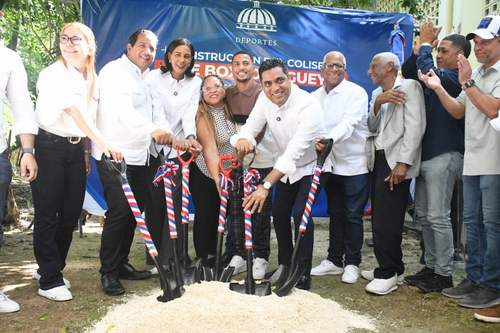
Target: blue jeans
{"points": [[433, 193], [5, 177], [482, 225], [347, 196]]}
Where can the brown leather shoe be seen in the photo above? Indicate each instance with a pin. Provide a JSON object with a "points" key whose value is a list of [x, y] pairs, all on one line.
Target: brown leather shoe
{"points": [[489, 315]]}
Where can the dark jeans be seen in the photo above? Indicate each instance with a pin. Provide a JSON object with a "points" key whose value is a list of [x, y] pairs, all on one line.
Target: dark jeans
{"points": [[388, 217], [290, 200], [156, 218], [58, 193], [347, 196], [5, 177], [261, 227], [118, 230]]}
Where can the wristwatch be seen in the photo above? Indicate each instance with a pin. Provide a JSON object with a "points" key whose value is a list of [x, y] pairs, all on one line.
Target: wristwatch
{"points": [[469, 84], [267, 185], [29, 150]]}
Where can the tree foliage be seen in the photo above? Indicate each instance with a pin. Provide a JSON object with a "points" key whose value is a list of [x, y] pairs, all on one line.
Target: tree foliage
{"points": [[31, 27]]}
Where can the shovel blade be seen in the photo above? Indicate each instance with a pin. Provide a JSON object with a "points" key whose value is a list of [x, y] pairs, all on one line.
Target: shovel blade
{"points": [[242, 288], [226, 274], [193, 273], [279, 277], [291, 282], [262, 288], [207, 273]]}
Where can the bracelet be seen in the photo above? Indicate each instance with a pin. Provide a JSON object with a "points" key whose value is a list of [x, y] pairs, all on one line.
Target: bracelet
{"points": [[29, 150]]}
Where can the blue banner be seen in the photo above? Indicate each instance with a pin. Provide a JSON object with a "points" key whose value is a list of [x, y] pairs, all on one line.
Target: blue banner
{"points": [[298, 35]]}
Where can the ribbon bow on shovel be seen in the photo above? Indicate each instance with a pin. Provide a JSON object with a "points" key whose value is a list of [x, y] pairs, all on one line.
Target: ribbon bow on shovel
{"points": [[250, 181], [290, 275], [168, 293], [225, 184]]}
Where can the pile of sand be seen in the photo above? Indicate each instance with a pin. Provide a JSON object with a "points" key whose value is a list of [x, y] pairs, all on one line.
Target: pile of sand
{"points": [[212, 307]]}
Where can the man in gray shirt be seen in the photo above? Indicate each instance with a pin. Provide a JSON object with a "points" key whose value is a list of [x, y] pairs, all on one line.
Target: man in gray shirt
{"points": [[478, 103]]}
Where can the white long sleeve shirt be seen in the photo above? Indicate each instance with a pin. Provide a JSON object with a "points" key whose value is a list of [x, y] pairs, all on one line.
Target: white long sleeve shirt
{"points": [[125, 111], [60, 87], [295, 127], [175, 103], [345, 110], [14, 88]]}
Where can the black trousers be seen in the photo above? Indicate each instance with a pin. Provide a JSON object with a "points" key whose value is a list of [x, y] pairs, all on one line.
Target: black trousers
{"points": [[58, 193], [156, 215], [290, 200], [206, 201], [388, 216], [118, 231]]}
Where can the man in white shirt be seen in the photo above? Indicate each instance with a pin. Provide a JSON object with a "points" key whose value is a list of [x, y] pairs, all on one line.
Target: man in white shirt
{"points": [[397, 119], [125, 119], [14, 87], [478, 103], [345, 108], [291, 115]]}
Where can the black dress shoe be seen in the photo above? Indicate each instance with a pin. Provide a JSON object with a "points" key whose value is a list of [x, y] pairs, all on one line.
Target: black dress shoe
{"points": [[111, 285], [304, 283], [127, 272]]}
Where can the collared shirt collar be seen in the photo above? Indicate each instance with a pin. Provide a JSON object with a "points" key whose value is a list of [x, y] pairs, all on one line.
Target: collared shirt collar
{"points": [[337, 89], [398, 83], [133, 66], [482, 71]]}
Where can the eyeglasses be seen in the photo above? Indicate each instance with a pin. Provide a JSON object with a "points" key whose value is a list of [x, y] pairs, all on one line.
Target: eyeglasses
{"points": [[75, 40], [333, 65], [212, 88]]}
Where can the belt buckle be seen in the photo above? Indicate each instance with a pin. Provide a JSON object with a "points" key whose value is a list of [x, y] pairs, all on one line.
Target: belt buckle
{"points": [[74, 140]]}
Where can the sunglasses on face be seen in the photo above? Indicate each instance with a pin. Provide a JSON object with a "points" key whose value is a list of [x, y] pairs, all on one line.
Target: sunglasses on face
{"points": [[65, 39]]}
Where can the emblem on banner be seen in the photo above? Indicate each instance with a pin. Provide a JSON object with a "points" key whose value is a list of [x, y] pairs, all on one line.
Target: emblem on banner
{"points": [[256, 18]]}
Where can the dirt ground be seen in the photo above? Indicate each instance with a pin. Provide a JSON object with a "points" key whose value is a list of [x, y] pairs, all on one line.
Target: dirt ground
{"points": [[406, 310]]}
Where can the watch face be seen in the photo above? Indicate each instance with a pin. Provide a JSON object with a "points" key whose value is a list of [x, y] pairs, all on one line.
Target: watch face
{"points": [[267, 185]]}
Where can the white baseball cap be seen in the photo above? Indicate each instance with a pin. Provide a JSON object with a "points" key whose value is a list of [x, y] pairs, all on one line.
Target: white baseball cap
{"points": [[488, 28]]}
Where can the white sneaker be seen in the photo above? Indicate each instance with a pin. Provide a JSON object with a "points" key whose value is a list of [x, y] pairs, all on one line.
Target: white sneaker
{"points": [[239, 264], [37, 277], [351, 274], [368, 275], [326, 267], [382, 286], [59, 294], [7, 305], [154, 271], [259, 268]]}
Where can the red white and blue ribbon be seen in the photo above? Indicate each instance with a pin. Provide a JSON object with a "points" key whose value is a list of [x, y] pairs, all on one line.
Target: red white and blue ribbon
{"points": [[139, 218], [225, 184], [250, 181], [167, 172], [185, 194], [310, 198]]}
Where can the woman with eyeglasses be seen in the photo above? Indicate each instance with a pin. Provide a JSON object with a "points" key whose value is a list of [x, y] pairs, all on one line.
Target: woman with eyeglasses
{"points": [[214, 127], [175, 90], [65, 111]]}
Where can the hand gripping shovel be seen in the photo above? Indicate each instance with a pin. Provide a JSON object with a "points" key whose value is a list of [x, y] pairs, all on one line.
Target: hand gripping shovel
{"points": [[165, 172], [225, 183], [290, 276], [250, 180], [168, 293], [191, 271]]}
